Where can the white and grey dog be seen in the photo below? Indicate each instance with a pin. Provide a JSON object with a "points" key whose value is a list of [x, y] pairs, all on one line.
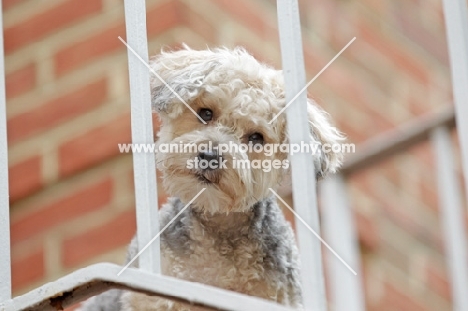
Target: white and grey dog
{"points": [[234, 235]]}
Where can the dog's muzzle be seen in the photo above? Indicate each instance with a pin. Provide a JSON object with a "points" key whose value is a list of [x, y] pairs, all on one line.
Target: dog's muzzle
{"points": [[210, 160], [209, 166]]}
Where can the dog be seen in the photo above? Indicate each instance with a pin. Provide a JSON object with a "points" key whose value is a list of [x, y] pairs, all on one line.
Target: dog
{"points": [[234, 235]]}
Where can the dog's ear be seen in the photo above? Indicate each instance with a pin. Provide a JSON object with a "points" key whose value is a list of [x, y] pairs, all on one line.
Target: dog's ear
{"points": [[329, 155], [179, 75]]}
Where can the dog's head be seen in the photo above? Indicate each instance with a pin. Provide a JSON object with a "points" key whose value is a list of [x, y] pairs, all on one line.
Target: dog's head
{"points": [[237, 97]]}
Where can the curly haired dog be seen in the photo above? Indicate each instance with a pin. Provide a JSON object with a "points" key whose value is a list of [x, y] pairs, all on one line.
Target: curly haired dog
{"points": [[234, 235]]}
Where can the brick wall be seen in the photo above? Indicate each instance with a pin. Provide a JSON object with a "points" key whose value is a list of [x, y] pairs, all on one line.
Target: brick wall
{"points": [[71, 192]]}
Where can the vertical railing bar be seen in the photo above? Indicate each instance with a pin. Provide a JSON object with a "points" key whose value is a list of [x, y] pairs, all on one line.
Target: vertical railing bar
{"points": [[303, 172], [5, 268], [142, 132], [340, 232], [452, 212], [456, 21]]}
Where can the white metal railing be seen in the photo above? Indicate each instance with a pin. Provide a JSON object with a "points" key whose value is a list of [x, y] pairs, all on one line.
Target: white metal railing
{"points": [[340, 232], [338, 223], [436, 128], [144, 166], [94, 279], [452, 215], [302, 169], [456, 21]]}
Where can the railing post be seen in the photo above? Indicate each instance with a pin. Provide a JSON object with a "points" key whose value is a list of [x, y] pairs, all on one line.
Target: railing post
{"points": [[5, 268], [303, 172], [144, 165], [456, 22], [340, 233], [452, 212]]}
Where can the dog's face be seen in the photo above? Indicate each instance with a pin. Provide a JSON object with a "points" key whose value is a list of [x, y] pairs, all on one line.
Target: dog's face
{"points": [[236, 97]]}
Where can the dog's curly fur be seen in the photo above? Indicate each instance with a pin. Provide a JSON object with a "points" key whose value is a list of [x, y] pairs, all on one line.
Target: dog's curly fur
{"points": [[234, 235]]}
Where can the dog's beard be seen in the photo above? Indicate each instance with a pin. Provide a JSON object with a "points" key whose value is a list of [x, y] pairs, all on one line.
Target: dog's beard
{"points": [[225, 189], [234, 188]]}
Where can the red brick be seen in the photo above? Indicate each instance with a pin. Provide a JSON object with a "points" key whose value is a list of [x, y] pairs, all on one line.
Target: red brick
{"points": [[95, 146], [78, 203], [163, 18], [39, 25], [25, 177], [28, 269], [362, 180], [6, 4], [415, 31], [199, 24], [368, 280], [345, 84], [254, 49], [20, 81], [162, 199], [409, 221], [105, 42], [116, 233], [353, 134], [393, 210], [367, 231], [437, 280], [416, 105], [100, 44], [313, 60], [57, 111], [250, 15], [348, 87], [388, 169], [423, 153], [394, 51], [377, 7], [396, 298], [379, 121], [429, 194]]}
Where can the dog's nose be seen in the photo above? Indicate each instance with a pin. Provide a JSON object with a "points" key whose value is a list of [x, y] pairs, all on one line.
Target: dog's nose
{"points": [[208, 155]]}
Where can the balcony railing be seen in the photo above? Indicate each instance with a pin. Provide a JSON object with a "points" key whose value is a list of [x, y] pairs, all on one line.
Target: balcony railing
{"points": [[339, 229]]}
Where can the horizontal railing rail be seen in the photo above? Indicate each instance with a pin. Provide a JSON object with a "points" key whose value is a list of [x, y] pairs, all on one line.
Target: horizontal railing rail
{"points": [[97, 278], [397, 140]]}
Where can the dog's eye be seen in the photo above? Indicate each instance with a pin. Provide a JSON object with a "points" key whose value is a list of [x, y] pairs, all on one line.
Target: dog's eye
{"points": [[256, 138], [206, 114]]}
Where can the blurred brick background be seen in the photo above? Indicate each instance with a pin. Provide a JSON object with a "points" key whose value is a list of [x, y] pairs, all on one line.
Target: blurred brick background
{"points": [[71, 191]]}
